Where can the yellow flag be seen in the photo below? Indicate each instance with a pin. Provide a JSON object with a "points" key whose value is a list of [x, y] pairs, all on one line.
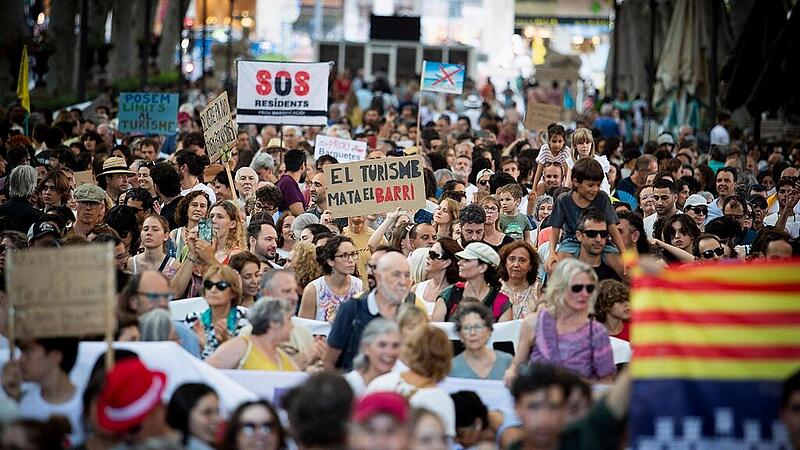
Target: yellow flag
{"points": [[22, 81]]}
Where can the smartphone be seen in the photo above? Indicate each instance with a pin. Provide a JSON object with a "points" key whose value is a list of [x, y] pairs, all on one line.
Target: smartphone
{"points": [[204, 230]]}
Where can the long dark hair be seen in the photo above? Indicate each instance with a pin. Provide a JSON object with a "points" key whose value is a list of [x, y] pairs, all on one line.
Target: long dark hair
{"points": [[183, 401], [450, 247], [235, 422], [328, 251]]}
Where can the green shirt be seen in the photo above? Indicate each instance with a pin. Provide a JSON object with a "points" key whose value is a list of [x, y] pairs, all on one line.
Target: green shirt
{"points": [[599, 430], [514, 226]]}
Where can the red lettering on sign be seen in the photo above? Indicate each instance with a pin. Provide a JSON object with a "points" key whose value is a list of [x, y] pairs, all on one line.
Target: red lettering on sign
{"points": [[397, 193], [405, 193], [302, 87], [378, 195], [264, 87]]}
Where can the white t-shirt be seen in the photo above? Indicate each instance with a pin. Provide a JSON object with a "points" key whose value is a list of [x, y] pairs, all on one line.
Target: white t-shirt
{"points": [[202, 187], [33, 406], [434, 399], [356, 382], [650, 224]]}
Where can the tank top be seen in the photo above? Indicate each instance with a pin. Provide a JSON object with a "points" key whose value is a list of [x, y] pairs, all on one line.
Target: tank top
{"points": [[328, 302], [429, 306], [255, 359]]}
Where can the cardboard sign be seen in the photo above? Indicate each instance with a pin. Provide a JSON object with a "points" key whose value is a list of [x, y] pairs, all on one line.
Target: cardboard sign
{"points": [[540, 115], [219, 128], [280, 93], [375, 186], [148, 112], [58, 292], [442, 77], [344, 150], [83, 177]]}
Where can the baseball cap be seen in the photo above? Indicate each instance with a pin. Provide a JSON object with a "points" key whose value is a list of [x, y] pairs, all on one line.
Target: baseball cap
{"points": [[90, 193], [665, 138], [695, 200], [130, 393], [389, 403], [480, 251], [41, 229], [484, 172]]}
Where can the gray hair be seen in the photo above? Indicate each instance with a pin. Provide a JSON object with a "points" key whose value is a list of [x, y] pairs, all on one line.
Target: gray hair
{"points": [[374, 329], [243, 170], [269, 275], [155, 325], [265, 312], [541, 200], [445, 174], [262, 160], [302, 221], [22, 181]]}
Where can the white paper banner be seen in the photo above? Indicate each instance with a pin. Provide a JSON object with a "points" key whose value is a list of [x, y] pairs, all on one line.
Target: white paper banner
{"points": [[282, 93], [344, 150]]}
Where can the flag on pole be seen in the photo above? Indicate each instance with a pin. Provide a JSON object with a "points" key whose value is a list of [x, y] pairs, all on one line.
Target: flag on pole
{"points": [[712, 345], [442, 77], [22, 81]]}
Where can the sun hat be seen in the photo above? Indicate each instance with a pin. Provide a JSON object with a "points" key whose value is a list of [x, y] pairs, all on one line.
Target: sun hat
{"points": [[665, 138], [90, 193], [130, 393], [115, 164], [480, 251], [389, 403]]}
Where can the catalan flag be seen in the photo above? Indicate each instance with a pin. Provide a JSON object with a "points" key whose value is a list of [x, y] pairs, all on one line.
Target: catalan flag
{"points": [[22, 81], [711, 347]]}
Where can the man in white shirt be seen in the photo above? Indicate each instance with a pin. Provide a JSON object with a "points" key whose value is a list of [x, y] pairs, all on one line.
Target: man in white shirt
{"points": [[665, 194], [719, 134]]}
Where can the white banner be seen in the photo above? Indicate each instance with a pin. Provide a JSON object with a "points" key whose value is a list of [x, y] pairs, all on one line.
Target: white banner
{"points": [[344, 150], [280, 93]]}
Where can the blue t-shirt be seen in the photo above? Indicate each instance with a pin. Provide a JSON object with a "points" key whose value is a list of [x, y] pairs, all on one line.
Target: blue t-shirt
{"points": [[565, 213], [351, 319], [461, 369]]}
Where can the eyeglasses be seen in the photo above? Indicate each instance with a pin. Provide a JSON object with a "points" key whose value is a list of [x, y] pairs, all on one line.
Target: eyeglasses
{"points": [[220, 285], [346, 256], [708, 254], [250, 428], [157, 297], [490, 209], [88, 205], [433, 255], [477, 328], [699, 210], [579, 287], [591, 234]]}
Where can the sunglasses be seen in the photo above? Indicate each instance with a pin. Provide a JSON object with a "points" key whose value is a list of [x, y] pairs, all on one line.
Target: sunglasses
{"points": [[433, 255], [708, 254], [699, 210], [250, 428], [483, 182], [220, 285], [579, 287], [591, 234], [155, 297]]}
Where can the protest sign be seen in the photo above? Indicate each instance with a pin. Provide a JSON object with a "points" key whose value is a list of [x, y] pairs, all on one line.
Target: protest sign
{"points": [[344, 150], [219, 128], [442, 77], [58, 292], [539, 115], [280, 93], [713, 345], [148, 112], [374, 186], [83, 177]]}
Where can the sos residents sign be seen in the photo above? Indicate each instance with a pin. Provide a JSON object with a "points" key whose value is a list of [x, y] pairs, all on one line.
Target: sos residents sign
{"points": [[278, 93], [375, 186]]}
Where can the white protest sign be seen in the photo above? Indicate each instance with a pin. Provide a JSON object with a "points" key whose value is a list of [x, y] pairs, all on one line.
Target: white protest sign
{"points": [[219, 129], [280, 93], [60, 292], [344, 150]]}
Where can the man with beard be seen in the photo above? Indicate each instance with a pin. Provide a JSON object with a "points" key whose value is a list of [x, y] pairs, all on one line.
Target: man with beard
{"points": [[262, 239], [552, 177], [726, 184], [666, 194], [392, 284], [472, 219], [293, 199], [592, 234], [319, 199]]}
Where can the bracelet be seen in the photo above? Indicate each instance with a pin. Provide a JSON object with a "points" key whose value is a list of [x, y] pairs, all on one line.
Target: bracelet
{"points": [[193, 260]]}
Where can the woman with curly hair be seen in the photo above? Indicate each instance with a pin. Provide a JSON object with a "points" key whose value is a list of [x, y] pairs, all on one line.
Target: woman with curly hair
{"points": [[192, 207], [323, 296], [229, 230], [304, 263], [613, 308]]}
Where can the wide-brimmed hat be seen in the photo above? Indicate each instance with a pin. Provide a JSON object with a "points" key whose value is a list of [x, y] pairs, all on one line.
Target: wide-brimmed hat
{"points": [[480, 251], [131, 392], [115, 164]]}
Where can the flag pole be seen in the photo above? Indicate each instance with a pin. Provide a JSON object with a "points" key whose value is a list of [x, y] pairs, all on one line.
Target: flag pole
{"points": [[419, 106]]}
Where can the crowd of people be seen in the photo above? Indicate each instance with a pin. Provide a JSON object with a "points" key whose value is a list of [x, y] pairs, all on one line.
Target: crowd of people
{"points": [[519, 225]]}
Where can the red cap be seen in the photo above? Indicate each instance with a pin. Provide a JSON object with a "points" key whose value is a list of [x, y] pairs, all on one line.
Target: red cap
{"points": [[184, 117], [389, 403], [130, 393]]}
